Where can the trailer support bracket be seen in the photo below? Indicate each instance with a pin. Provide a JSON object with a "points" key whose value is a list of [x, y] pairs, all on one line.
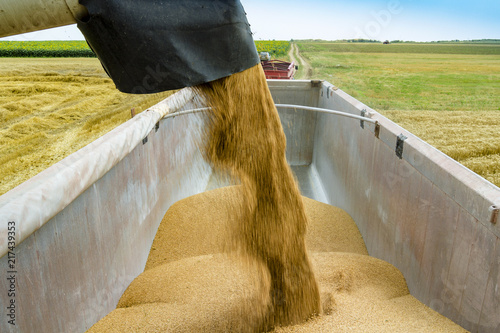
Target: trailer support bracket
{"points": [[362, 122]]}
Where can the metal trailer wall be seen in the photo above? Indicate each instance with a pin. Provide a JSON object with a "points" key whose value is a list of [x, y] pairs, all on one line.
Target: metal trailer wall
{"points": [[432, 218], [299, 125], [72, 270]]}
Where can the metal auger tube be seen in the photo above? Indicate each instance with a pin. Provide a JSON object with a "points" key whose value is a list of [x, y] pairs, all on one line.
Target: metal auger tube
{"points": [[21, 16]]}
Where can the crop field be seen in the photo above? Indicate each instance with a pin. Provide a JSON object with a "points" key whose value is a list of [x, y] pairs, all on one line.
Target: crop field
{"points": [[446, 94], [78, 48], [72, 48], [423, 48], [449, 95], [51, 107], [277, 49]]}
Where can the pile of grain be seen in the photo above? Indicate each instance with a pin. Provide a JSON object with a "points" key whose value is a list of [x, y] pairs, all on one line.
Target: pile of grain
{"points": [[189, 288]]}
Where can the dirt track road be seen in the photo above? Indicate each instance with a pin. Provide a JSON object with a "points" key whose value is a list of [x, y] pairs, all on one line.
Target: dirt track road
{"points": [[305, 70]]}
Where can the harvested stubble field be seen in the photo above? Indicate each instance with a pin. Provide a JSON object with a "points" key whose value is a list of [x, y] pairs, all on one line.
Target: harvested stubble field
{"points": [[51, 107], [446, 94]]}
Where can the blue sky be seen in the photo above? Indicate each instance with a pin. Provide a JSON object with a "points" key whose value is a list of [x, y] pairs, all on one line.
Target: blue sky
{"points": [[415, 20]]}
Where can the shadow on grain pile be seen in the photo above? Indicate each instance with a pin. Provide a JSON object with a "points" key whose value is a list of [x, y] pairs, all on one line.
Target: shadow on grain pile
{"points": [[235, 260]]}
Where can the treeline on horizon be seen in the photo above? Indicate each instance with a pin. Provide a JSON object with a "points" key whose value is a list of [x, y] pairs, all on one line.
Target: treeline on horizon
{"points": [[361, 40]]}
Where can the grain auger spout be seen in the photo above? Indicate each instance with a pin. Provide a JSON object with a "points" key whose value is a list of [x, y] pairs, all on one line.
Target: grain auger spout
{"points": [[152, 45]]}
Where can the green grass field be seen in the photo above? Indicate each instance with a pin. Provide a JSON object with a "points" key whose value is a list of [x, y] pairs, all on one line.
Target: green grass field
{"points": [[447, 94], [427, 48]]}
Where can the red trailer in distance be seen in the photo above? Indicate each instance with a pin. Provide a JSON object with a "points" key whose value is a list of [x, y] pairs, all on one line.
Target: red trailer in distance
{"points": [[277, 69]]}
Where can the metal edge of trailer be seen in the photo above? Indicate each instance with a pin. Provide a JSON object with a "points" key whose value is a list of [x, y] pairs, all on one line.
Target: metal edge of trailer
{"points": [[416, 208], [92, 218]]}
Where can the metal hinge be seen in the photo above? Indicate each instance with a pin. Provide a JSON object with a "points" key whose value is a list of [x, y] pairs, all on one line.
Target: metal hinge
{"points": [[494, 214], [330, 90], [316, 83], [399, 145], [377, 130]]}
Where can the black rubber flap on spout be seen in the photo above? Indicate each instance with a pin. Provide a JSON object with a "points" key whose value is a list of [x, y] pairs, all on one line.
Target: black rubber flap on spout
{"points": [[149, 46]]}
